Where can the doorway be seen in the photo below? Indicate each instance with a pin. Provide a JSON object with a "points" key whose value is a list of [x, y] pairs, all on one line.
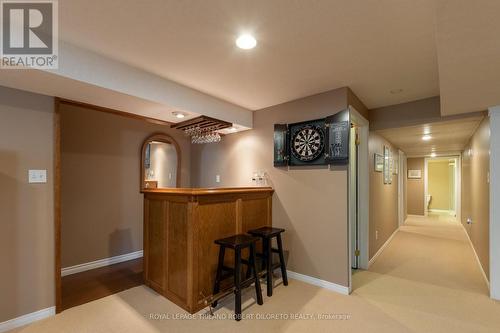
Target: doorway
{"points": [[402, 214], [358, 171], [98, 204], [442, 185]]}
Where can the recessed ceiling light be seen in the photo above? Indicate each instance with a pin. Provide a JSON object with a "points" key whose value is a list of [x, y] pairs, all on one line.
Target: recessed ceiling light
{"points": [[433, 155], [179, 115], [396, 91], [246, 42], [426, 137]]}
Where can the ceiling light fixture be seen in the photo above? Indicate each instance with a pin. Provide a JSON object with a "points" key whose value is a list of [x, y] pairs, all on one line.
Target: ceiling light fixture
{"points": [[246, 42], [433, 155], [426, 137], [179, 115]]}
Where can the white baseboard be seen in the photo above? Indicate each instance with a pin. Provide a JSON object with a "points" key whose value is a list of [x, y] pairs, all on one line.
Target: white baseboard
{"points": [[372, 260], [477, 257], [27, 319], [320, 283], [101, 263]]}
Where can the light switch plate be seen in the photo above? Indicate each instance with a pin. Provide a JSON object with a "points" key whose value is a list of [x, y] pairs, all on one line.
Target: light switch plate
{"points": [[217, 178], [37, 176]]}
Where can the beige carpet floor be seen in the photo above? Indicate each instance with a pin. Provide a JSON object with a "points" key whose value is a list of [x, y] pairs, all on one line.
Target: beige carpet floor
{"points": [[426, 280]]}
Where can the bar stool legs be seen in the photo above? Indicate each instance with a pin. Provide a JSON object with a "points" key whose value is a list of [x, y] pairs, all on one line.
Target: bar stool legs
{"points": [[282, 261], [269, 266], [237, 243], [237, 279], [253, 264], [266, 234], [218, 275]]}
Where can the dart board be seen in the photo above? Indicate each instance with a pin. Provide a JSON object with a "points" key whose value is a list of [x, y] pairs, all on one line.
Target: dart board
{"points": [[307, 143]]}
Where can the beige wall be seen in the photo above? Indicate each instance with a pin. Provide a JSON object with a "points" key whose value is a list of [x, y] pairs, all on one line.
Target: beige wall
{"points": [[383, 198], [102, 209], [310, 203], [415, 188], [438, 184], [475, 191], [26, 210]]}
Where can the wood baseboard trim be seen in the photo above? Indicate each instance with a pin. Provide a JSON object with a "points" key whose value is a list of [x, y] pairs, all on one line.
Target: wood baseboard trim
{"points": [[27, 319], [372, 260], [318, 282], [101, 263], [477, 257]]}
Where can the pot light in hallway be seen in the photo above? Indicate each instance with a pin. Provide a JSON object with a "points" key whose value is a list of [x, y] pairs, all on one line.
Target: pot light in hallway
{"points": [[246, 42], [426, 137]]}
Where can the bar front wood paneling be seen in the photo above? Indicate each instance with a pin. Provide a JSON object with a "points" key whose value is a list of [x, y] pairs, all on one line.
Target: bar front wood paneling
{"points": [[180, 226]]}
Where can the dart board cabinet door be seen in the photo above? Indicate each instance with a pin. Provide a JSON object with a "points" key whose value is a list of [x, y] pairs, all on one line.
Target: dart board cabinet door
{"points": [[281, 149], [307, 142], [337, 138]]}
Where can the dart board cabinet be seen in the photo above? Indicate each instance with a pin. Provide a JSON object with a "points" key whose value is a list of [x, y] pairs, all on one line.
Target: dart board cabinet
{"points": [[315, 142]]}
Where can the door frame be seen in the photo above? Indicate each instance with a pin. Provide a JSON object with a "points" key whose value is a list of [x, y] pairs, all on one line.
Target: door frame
{"points": [[458, 181], [363, 189], [401, 187], [57, 179]]}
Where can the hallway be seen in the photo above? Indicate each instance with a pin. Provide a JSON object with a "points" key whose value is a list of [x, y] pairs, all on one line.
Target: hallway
{"points": [[428, 278]]}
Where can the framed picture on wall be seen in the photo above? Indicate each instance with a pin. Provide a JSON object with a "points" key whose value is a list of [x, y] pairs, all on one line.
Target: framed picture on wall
{"points": [[395, 165], [387, 165], [414, 174], [378, 160]]}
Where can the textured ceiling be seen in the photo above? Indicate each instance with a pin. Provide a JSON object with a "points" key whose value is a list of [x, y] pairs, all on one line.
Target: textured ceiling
{"points": [[447, 136], [305, 47]]}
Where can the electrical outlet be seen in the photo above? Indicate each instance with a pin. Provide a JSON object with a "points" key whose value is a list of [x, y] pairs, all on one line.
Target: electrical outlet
{"points": [[376, 234], [217, 178]]}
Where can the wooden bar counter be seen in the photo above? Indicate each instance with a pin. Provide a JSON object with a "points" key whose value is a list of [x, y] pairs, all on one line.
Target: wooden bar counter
{"points": [[180, 226]]}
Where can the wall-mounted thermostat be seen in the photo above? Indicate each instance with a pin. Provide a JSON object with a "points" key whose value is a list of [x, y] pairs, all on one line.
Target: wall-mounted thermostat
{"points": [[37, 176]]}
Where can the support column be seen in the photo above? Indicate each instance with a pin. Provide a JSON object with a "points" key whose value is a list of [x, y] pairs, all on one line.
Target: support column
{"points": [[495, 202]]}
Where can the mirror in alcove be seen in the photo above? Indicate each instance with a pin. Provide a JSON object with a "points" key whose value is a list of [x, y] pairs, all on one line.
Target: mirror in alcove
{"points": [[160, 162]]}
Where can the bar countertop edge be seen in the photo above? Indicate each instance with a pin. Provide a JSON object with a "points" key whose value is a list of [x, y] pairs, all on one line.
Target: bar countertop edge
{"points": [[208, 191]]}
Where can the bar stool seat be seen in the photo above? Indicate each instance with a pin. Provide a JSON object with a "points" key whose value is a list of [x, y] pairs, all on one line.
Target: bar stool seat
{"points": [[235, 241], [266, 234], [238, 243]]}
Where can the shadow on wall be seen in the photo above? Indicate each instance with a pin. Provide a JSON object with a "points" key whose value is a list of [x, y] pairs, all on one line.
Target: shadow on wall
{"points": [[9, 234], [120, 242]]}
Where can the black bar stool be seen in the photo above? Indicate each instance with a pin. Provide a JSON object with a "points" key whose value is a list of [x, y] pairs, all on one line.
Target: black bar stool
{"points": [[267, 234], [237, 243]]}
